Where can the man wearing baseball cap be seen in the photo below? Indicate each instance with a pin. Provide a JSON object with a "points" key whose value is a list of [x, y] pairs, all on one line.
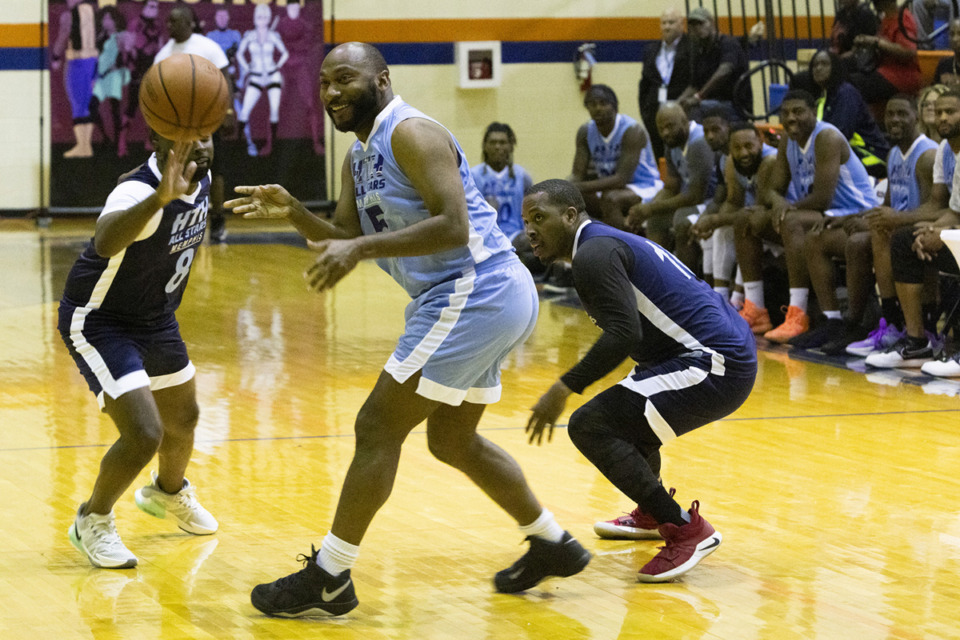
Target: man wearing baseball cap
{"points": [[720, 63]]}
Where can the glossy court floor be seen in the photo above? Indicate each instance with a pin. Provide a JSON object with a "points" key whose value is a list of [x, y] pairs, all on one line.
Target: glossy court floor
{"points": [[837, 496]]}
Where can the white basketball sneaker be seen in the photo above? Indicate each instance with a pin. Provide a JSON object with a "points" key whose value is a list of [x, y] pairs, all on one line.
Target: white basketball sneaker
{"points": [[181, 507], [96, 536]]}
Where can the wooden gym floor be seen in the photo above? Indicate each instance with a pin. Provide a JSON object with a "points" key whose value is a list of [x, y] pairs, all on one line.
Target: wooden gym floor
{"points": [[837, 496]]}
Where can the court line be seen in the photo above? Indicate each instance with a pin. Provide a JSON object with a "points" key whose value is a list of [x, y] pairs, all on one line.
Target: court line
{"points": [[518, 428]]}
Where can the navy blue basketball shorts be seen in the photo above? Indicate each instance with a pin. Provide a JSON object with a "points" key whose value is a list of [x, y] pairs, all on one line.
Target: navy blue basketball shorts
{"points": [[674, 397], [115, 357]]}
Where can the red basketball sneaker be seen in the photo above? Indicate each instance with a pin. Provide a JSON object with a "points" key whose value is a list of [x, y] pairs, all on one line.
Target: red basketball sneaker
{"points": [[686, 547], [636, 525]]}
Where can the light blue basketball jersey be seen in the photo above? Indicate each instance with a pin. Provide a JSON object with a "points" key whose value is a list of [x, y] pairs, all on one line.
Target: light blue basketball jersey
{"points": [[605, 153], [677, 156], [506, 190], [901, 174], [854, 192], [750, 184], [947, 159], [387, 201]]}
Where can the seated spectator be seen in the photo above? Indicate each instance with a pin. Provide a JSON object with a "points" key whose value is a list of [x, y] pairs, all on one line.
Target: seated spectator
{"points": [[749, 163], [501, 181], [927, 107], [894, 55], [851, 20], [618, 149], [914, 252], [823, 178], [716, 240], [948, 71], [747, 174], [848, 239], [948, 364], [840, 104], [719, 61], [899, 213], [666, 73], [688, 185]]}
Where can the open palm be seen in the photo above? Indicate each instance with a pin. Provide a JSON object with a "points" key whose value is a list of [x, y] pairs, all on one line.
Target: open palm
{"points": [[263, 201]]}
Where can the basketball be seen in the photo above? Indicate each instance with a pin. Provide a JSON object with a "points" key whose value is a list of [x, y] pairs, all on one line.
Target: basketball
{"points": [[184, 97]]}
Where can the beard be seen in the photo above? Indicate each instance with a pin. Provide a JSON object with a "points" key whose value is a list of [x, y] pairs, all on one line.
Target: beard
{"points": [[364, 107]]}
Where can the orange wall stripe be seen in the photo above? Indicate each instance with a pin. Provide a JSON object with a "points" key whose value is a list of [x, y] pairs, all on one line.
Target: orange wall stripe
{"points": [[23, 35], [508, 29], [532, 29]]}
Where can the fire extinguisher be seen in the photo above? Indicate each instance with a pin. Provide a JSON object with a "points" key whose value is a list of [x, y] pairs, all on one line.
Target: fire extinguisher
{"points": [[583, 64]]}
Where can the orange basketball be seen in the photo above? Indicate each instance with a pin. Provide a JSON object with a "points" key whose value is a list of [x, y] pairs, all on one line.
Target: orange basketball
{"points": [[184, 97]]}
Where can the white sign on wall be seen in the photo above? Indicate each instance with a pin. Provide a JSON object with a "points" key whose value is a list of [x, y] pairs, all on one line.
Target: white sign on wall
{"points": [[479, 64]]}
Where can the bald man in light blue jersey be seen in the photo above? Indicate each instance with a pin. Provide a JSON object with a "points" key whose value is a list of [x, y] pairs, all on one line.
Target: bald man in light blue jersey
{"points": [[409, 202], [689, 184]]}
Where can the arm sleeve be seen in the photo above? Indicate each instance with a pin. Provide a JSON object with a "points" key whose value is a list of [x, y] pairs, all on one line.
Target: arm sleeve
{"points": [[938, 177], [125, 195], [600, 272], [213, 53]]}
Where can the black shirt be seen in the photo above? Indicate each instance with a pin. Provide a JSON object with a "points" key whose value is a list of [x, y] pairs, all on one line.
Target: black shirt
{"points": [[708, 57]]}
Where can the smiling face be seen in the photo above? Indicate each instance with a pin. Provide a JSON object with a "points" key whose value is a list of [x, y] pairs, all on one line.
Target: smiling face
{"points": [[550, 228], [900, 118], [798, 119], [353, 92], [746, 150]]}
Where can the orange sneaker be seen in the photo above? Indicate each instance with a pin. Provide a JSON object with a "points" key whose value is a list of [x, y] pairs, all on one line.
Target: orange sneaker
{"points": [[756, 317], [796, 322]]}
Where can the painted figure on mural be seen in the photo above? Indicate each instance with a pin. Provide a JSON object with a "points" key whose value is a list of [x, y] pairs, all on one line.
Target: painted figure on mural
{"points": [[298, 33], [75, 50], [229, 41], [147, 39], [261, 56], [113, 74]]}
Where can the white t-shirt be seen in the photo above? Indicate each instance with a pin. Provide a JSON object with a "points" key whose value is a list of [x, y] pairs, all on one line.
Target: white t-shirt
{"points": [[198, 45]]}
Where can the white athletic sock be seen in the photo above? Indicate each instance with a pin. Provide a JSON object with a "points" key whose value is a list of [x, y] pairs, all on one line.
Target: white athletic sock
{"points": [[833, 315], [337, 556], [545, 527], [753, 291], [798, 298], [736, 299], [724, 291]]}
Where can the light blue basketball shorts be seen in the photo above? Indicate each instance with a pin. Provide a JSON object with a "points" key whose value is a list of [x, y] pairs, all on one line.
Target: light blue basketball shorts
{"points": [[459, 332]]}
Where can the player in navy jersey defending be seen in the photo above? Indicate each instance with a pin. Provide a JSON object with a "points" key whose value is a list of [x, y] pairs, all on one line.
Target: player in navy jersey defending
{"points": [[409, 201], [117, 320], [696, 363]]}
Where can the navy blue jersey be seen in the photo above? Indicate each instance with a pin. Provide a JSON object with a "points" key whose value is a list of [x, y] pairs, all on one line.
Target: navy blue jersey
{"points": [[143, 283], [651, 308]]}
